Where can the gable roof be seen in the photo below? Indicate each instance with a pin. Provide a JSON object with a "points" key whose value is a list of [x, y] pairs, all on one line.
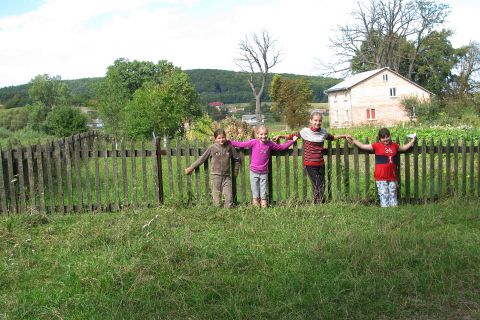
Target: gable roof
{"points": [[362, 76]]}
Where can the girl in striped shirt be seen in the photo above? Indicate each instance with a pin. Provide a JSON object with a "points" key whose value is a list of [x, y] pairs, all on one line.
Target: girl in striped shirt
{"points": [[314, 138]]}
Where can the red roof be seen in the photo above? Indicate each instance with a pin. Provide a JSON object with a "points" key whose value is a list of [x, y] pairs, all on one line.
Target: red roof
{"points": [[216, 104]]}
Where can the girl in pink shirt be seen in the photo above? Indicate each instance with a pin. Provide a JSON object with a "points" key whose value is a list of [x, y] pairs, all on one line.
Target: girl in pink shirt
{"points": [[261, 147]]}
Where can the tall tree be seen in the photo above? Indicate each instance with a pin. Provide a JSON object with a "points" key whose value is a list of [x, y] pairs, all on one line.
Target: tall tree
{"points": [[120, 105], [257, 56], [290, 98], [49, 91], [386, 33]]}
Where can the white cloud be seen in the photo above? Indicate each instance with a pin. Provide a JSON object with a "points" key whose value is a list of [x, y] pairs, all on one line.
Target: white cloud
{"points": [[81, 38]]}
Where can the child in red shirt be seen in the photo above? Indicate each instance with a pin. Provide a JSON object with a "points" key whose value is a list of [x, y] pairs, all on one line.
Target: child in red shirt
{"points": [[386, 162]]}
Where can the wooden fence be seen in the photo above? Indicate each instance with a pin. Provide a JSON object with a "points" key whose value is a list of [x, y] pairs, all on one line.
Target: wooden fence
{"points": [[92, 172]]}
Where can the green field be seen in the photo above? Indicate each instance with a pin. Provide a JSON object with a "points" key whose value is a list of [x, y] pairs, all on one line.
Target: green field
{"points": [[338, 261]]}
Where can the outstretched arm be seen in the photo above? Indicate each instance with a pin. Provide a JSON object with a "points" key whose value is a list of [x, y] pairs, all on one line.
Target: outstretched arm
{"points": [[360, 145], [199, 161], [407, 146]]}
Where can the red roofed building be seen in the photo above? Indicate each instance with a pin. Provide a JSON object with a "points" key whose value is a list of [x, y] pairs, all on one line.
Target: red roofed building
{"points": [[216, 104]]}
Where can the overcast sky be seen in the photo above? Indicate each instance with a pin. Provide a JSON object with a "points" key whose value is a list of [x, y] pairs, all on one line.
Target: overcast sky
{"points": [[81, 38]]}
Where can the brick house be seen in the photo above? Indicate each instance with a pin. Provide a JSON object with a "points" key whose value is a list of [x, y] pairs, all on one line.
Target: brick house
{"points": [[372, 97]]}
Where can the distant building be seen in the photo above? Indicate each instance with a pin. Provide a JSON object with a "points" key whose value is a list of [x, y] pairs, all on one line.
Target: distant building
{"points": [[251, 119], [216, 104], [372, 97]]}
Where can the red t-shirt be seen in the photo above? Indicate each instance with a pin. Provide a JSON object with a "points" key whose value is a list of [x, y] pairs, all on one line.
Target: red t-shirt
{"points": [[386, 161]]}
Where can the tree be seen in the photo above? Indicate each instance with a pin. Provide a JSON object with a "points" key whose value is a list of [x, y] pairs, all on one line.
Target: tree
{"points": [[465, 81], [386, 33], [49, 91], [291, 98], [64, 121], [161, 108], [257, 56], [125, 78]]}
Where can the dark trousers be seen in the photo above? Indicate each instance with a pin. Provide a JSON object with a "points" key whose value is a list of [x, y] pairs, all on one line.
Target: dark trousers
{"points": [[317, 176]]}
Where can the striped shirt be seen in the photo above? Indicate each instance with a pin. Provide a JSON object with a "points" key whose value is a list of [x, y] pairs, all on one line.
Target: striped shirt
{"points": [[313, 151]]}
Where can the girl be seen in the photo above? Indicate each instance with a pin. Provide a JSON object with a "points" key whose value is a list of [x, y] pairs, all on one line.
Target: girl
{"points": [[386, 161], [261, 148], [220, 154], [314, 138]]}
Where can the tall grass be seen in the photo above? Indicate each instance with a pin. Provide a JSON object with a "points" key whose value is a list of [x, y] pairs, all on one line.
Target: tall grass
{"points": [[328, 262]]}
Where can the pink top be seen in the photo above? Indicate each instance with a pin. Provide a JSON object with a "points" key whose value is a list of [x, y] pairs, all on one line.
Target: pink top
{"points": [[260, 152]]}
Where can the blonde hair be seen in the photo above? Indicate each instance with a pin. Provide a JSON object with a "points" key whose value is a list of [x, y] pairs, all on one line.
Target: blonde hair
{"points": [[314, 113], [261, 127]]}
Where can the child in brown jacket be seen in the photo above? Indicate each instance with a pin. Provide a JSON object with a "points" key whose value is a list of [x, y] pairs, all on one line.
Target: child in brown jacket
{"points": [[220, 153]]}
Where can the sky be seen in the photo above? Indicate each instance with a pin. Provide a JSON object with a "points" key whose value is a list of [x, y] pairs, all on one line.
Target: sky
{"points": [[81, 38]]}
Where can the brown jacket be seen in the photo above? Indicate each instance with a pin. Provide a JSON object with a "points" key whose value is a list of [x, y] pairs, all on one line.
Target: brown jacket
{"points": [[221, 156]]}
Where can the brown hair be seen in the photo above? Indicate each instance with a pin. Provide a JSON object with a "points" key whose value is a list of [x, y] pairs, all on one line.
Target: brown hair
{"points": [[383, 133], [218, 132]]}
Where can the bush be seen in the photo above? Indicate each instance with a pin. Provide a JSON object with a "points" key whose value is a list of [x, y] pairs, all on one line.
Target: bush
{"points": [[65, 121], [38, 115]]}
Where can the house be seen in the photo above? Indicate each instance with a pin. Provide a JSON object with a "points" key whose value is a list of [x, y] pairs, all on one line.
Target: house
{"points": [[372, 97], [251, 119], [216, 104]]}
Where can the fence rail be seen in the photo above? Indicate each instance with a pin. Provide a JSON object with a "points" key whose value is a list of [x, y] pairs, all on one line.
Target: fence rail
{"points": [[92, 172]]}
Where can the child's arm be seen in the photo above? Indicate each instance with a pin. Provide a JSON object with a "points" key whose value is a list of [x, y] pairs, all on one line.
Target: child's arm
{"points": [[236, 160], [407, 146], [242, 144], [362, 146], [199, 161], [284, 146], [340, 136], [285, 136]]}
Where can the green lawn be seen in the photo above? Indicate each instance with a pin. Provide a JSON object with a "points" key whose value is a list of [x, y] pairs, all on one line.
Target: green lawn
{"points": [[336, 261]]}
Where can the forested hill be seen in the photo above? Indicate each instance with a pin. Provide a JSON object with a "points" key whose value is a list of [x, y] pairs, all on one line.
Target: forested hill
{"points": [[212, 85]]}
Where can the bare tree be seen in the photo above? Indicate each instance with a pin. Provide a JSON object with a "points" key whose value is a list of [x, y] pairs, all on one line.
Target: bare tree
{"points": [[257, 56], [385, 33], [468, 71]]}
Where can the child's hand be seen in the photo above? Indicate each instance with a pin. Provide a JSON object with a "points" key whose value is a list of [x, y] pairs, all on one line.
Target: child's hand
{"points": [[275, 139], [188, 170], [295, 138], [349, 138]]}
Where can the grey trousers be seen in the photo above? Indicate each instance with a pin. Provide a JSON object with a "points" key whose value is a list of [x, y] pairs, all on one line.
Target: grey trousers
{"points": [[222, 185]]}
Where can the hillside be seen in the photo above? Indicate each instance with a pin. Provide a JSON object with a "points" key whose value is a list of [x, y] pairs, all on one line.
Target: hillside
{"points": [[212, 85]]}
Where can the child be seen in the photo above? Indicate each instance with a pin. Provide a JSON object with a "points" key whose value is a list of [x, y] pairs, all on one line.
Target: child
{"points": [[261, 148], [386, 161], [221, 154], [314, 138]]}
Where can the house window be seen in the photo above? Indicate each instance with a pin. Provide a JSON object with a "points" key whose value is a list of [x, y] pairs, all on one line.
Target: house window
{"points": [[371, 114], [385, 77], [393, 92]]}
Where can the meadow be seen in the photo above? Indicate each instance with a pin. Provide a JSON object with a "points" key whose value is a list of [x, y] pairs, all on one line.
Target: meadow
{"points": [[335, 261]]}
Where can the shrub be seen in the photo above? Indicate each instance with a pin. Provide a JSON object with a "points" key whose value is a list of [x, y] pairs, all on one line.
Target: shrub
{"points": [[65, 121]]}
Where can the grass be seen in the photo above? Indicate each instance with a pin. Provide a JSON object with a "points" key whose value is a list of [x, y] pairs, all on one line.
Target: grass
{"points": [[331, 262]]}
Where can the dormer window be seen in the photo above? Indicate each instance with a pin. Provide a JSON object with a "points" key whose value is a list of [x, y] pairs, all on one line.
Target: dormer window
{"points": [[385, 77]]}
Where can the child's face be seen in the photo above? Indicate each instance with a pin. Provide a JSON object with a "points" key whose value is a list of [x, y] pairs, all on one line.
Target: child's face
{"points": [[220, 139], [316, 121], [262, 135], [385, 140]]}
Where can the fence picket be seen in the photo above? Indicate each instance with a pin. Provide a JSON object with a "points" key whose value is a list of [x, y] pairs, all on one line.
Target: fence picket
{"points": [[48, 166], [170, 169], [295, 172], [78, 173], [424, 170], [304, 174], [124, 173], [86, 163], [22, 204], [206, 171], [472, 167], [440, 169], [407, 175], [144, 173], [346, 180], [106, 176], [41, 184], [415, 172], [432, 170], [464, 167], [3, 193], [367, 173], [287, 176], [179, 169], [279, 178], [58, 168], [11, 180], [196, 154], [356, 173], [189, 177], [116, 192], [133, 163], [96, 164], [447, 166], [455, 166], [338, 169]]}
